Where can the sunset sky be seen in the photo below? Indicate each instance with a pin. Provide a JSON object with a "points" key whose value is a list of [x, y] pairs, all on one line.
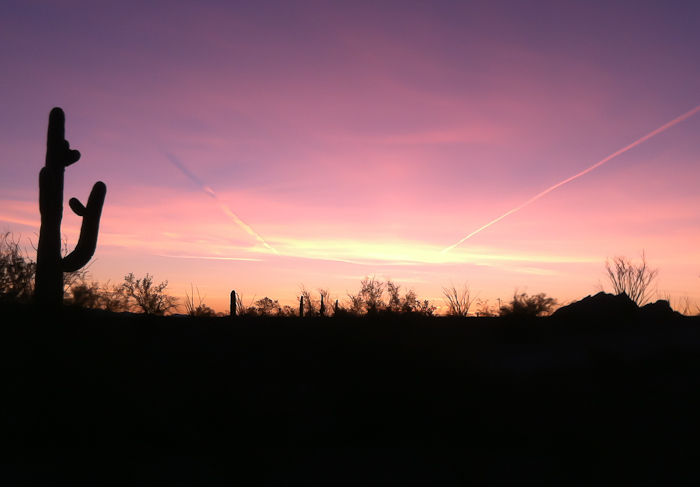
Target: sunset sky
{"points": [[362, 138]]}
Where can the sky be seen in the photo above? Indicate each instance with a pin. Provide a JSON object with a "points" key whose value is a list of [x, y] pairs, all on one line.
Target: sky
{"points": [[264, 146]]}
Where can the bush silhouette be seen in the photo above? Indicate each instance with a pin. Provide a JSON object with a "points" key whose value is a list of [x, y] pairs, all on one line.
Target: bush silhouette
{"points": [[633, 279], [524, 305], [147, 296], [17, 270], [267, 307], [458, 300], [369, 300], [199, 309]]}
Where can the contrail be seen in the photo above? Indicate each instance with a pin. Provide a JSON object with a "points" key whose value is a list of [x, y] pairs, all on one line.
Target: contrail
{"points": [[597, 164], [210, 192]]}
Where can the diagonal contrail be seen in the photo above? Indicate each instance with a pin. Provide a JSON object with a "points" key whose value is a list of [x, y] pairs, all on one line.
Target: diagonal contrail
{"points": [[178, 164], [597, 164]]}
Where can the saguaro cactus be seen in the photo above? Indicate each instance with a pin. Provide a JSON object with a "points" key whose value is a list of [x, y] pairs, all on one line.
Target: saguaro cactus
{"points": [[234, 303], [50, 265]]}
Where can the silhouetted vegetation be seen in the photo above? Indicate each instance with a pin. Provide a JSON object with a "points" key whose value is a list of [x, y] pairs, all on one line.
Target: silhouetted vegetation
{"points": [[633, 279], [369, 300], [308, 302], [485, 310], [525, 305], [265, 307], [375, 297], [17, 270], [147, 296], [200, 309], [458, 300]]}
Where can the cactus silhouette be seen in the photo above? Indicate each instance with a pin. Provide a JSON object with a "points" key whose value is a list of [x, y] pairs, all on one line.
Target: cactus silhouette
{"points": [[50, 265]]}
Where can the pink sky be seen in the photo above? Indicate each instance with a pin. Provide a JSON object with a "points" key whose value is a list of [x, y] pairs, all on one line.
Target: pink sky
{"points": [[362, 140]]}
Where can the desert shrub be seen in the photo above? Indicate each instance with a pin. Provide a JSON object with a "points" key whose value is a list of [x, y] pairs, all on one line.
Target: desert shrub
{"points": [[684, 305], [371, 292], [424, 307], [355, 306], [370, 299], [240, 307], [113, 297], [458, 300], [485, 310], [17, 270], [199, 309], [92, 294], [408, 303], [631, 278], [524, 305], [393, 291], [84, 294], [325, 308], [288, 311], [148, 297], [267, 307], [312, 304], [251, 309]]}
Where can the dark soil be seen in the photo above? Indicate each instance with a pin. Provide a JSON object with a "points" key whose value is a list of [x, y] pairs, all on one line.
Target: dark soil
{"points": [[93, 398]]}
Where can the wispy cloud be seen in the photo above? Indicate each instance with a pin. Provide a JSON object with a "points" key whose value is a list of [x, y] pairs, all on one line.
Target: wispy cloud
{"points": [[210, 192], [586, 171], [208, 257]]}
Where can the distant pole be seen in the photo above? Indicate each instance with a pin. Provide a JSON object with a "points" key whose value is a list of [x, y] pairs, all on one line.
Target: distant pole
{"points": [[301, 307], [233, 304]]}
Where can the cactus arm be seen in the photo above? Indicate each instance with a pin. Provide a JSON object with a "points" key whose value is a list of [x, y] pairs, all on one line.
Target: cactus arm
{"points": [[87, 242]]}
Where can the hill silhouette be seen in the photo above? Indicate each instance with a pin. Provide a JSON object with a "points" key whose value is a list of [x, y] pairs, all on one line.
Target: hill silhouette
{"points": [[614, 308], [96, 398]]}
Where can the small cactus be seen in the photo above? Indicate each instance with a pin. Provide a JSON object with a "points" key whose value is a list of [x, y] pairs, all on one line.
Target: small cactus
{"points": [[50, 264], [301, 307], [233, 304], [323, 307]]}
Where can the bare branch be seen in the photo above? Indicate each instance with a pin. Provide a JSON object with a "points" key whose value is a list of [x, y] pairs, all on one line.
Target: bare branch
{"points": [[633, 279], [458, 300]]}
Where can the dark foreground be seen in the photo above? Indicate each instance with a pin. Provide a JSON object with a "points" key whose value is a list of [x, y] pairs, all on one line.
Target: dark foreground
{"points": [[100, 399]]}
